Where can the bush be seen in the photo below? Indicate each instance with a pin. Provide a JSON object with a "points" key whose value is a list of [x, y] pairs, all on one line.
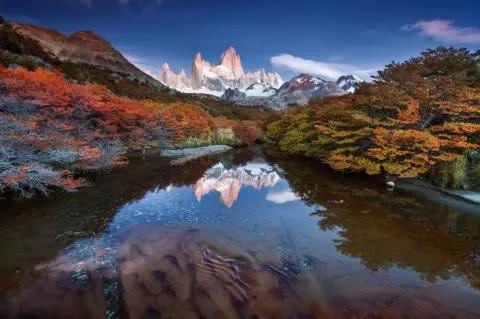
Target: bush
{"points": [[6, 58], [36, 154], [452, 174], [25, 180], [63, 157], [246, 132], [463, 173], [218, 137], [224, 136], [415, 114]]}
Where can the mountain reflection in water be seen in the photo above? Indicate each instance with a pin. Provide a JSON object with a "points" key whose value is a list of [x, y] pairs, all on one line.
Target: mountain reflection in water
{"points": [[228, 181], [241, 235]]}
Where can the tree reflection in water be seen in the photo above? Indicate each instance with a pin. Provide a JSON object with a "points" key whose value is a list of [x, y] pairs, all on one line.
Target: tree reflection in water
{"points": [[385, 228], [363, 261]]}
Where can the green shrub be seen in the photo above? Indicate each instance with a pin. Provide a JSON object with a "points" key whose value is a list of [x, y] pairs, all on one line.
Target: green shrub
{"points": [[218, 137], [450, 174], [6, 58], [474, 172], [224, 136], [191, 141], [463, 173], [27, 62]]}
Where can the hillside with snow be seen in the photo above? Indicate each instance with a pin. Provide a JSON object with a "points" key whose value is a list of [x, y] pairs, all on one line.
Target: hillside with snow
{"points": [[298, 90], [349, 82]]}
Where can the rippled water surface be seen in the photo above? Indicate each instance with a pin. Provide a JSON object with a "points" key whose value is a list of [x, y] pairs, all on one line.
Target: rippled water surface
{"points": [[243, 235]]}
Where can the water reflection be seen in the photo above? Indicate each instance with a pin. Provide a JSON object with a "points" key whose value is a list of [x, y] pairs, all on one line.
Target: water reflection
{"points": [[237, 236], [387, 229], [282, 197], [227, 182]]}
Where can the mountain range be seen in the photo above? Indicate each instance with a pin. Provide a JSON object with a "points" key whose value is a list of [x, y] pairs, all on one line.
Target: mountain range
{"points": [[298, 90], [226, 80], [216, 78]]}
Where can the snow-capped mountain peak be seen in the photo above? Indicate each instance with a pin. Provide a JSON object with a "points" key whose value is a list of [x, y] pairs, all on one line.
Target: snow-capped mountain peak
{"points": [[231, 61], [216, 79], [349, 82], [303, 82]]}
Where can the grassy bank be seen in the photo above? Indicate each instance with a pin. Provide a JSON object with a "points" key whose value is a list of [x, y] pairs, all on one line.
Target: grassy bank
{"points": [[462, 173]]}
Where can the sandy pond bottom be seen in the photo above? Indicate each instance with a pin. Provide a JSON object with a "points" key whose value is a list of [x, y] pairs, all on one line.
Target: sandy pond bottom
{"points": [[243, 237]]}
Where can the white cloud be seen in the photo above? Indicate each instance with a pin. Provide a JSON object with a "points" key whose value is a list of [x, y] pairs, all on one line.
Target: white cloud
{"points": [[281, 197], [329, 70], [445, 31]]}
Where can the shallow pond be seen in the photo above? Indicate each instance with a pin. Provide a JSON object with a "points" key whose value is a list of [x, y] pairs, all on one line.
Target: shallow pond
{"points": [[246, 234]]}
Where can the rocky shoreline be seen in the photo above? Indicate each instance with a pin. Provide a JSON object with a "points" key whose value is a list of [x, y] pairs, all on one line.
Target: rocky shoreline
{"points": [[189, 154], [466, 200]]}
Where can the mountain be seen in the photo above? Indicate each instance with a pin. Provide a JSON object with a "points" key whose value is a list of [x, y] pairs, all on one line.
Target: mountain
{"points": [[230, 61], [349, 82], [216, 79], [260, 89], [82, 46], [227, 182], [234, 95], [298, 90]]}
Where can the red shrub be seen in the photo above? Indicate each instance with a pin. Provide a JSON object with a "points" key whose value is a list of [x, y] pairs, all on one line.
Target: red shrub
{"points": [[246, 132], [40, 87]]}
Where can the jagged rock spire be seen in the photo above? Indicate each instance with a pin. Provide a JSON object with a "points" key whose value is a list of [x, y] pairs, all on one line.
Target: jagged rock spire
{"points": [[231, 60]]}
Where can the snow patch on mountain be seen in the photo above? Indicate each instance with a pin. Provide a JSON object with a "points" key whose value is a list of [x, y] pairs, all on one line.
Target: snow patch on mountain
{"points": [[259, 89], [298, 90], [202, 90], [349, 82]]}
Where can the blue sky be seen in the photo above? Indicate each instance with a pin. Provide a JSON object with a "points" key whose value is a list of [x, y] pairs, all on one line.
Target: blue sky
{"points": [[320, 37]]}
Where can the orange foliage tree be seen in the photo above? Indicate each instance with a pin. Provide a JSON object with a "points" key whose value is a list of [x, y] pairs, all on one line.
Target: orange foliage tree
{"points": [[94, 105], [413, 115], [40, 87], [189, 119]]}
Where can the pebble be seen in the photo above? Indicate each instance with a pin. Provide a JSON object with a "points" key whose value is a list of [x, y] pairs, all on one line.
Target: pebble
{"points": [[390, 184]]}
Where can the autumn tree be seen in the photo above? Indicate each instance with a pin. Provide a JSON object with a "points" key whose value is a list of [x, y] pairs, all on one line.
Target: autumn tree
{"points": [[192, 119], [246, 132], [415, 114]]}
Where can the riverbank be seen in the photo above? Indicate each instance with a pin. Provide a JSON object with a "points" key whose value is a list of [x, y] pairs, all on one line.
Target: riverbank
{"points": [[189, 154], [463, 199], [201, 151]]}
